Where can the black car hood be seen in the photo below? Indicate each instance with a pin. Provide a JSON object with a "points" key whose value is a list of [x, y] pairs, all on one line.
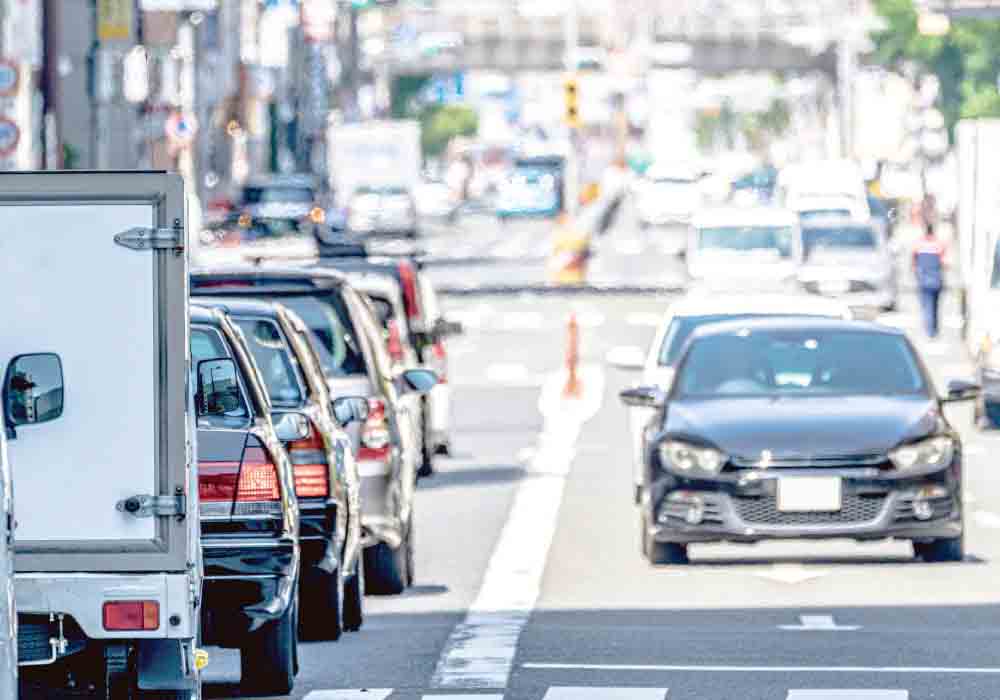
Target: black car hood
{"points": [[797, 427]]}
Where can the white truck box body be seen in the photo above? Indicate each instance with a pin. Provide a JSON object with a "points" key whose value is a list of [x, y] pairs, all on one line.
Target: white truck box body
{"points": [[374, 153]]}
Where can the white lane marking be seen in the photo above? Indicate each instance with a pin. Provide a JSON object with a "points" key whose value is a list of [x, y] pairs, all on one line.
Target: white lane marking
{"points": [[643, 318], [646, 668], [589, 318], [984, 518], [569, 693], [790, 573], [510, 374], [462, 697], [480, 651], [626, 357], [838, 694], [355, 694], [819, 623]]}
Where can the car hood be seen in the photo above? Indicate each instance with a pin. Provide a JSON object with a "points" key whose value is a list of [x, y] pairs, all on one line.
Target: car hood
{"points": [[803, 427]]}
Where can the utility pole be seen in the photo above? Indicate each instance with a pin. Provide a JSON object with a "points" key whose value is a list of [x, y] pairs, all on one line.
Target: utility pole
{"points": [[571, 38]]}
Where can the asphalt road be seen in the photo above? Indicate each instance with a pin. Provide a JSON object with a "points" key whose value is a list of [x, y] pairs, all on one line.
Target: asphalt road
{"points": [[529, 580]]}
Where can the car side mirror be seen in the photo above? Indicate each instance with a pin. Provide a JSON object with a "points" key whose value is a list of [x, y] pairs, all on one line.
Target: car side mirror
{"points": [[962, 390], [418, 381], [32, 390], [218, 387], [350, 409], [643, 397], [291, 426]]}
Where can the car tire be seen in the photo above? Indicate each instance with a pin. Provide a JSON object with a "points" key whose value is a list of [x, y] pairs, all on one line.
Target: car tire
{"points": [[948, 549], [354, 600], [323, 596], [385, 569], [267, 659], [660, 553]]}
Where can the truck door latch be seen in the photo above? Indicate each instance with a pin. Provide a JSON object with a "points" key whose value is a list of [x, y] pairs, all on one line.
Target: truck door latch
{"points": [[152, 506], [140, 238]]}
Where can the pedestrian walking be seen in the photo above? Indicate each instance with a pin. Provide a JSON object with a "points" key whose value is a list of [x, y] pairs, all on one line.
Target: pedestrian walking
{"points": [[928, 267]]}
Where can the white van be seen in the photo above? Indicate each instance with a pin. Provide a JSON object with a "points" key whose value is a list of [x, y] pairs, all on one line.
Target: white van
{"points": [[824, 188], [98, 424]]}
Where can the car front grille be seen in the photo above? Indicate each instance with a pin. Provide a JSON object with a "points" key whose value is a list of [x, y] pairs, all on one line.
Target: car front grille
{"points": [[763, 510], [854, 287]]}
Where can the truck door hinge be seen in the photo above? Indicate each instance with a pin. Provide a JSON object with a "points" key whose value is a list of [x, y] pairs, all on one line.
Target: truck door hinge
{"points": [[140, 238], [145, 506]]}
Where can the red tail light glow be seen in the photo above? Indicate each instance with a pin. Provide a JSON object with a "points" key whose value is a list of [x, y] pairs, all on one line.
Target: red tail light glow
{"points": [[128, 615], [440, 361], [375, 433], [258, 478], [408, 278], [310, 465], [217, 481]]}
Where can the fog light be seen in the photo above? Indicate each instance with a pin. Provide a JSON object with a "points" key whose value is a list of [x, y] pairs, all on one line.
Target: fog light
{"points": [[922, 510], [695, 512]]}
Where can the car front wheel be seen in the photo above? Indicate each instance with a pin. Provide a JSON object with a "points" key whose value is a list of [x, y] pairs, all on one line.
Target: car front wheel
{"points": [[941, 550]]}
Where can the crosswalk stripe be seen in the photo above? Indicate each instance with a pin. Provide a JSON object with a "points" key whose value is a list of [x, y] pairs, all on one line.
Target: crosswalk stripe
{"points": [[834, 694], [568, 693], [355, 694]]}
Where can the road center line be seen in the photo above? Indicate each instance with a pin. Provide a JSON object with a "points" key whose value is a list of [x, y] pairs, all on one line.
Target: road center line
{"points": [[480, 651], [947, 670], [819, 623]]}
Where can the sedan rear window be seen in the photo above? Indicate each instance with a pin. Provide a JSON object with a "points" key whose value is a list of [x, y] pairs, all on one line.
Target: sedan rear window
{"points": [[336, 341], [682, 327], [838, 237], [772, 363], [274, 358]]}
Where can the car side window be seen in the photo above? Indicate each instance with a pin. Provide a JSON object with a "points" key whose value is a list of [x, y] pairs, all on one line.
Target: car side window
{"points": [[208, 344], [274, 357]]}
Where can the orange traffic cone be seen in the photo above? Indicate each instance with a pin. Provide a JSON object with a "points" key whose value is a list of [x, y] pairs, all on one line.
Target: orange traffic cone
{"points": [[573, 387]]}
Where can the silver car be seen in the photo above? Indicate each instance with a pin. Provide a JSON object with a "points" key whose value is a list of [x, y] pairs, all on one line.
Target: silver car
{"points": [[850, 261]]}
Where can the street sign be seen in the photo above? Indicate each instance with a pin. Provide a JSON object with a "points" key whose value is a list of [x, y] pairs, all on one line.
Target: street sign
{"points": [[9, 77], [10, 136], [114, 20]]}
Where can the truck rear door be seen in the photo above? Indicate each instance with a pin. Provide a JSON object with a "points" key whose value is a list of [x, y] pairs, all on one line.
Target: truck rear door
{"points": [[95, 272]]}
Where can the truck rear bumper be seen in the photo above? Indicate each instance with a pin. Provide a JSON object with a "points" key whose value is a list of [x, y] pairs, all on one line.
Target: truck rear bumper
{"points": [[82, 597]]}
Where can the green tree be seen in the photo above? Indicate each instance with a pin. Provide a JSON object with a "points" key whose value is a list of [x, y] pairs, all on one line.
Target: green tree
{"points": [[966, 60], [441, 123]]}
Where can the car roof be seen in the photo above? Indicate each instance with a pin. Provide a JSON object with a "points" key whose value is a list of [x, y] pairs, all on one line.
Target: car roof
{"points": [[322, 277], [202, 314], [374, 282], [240, 307], [762, 303], [794, 324], [745, 216]]}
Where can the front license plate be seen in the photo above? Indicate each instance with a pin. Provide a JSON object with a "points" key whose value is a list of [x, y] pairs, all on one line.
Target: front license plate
{"points": [[809, 494], [834, 287]]}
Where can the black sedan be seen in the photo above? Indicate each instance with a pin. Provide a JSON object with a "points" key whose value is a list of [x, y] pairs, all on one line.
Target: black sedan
{"points": [[801, 428]]}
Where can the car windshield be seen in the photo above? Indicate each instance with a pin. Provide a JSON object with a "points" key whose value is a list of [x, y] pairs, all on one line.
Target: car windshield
{"points": [[780, 363], [274, 358], [849, 237], [330, 323], [682, 327], [277, 194], [747, 239]]}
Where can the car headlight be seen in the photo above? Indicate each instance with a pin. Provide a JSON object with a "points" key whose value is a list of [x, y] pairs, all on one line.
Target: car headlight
{"points": [[684, 457], [932, 453]]}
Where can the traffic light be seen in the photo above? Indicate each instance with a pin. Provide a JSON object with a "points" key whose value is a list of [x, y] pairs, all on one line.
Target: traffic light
{"points": [[571, 96]]}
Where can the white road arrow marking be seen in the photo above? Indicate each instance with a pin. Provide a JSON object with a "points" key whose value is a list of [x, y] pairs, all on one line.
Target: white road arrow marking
{"points": [[819, 623], [791, 573]]}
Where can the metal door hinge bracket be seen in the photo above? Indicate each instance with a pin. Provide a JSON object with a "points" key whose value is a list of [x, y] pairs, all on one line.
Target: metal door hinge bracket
{"points": [[140, 238], [152, 506]]}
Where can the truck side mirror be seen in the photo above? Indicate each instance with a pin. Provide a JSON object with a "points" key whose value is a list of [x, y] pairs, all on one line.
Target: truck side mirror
{"points": [[32, 390], [218, 387], [350, 409]]}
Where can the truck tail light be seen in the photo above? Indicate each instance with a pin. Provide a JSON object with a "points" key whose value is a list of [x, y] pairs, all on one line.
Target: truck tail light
{"points": [[310, 465], [375, 436], [131, 615], [394, 344], [258, 491], [408, 279]]}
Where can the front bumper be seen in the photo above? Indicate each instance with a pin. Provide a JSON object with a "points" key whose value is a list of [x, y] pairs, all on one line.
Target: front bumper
{"points": [[247, 584], [872, 509], [859, 296]]}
